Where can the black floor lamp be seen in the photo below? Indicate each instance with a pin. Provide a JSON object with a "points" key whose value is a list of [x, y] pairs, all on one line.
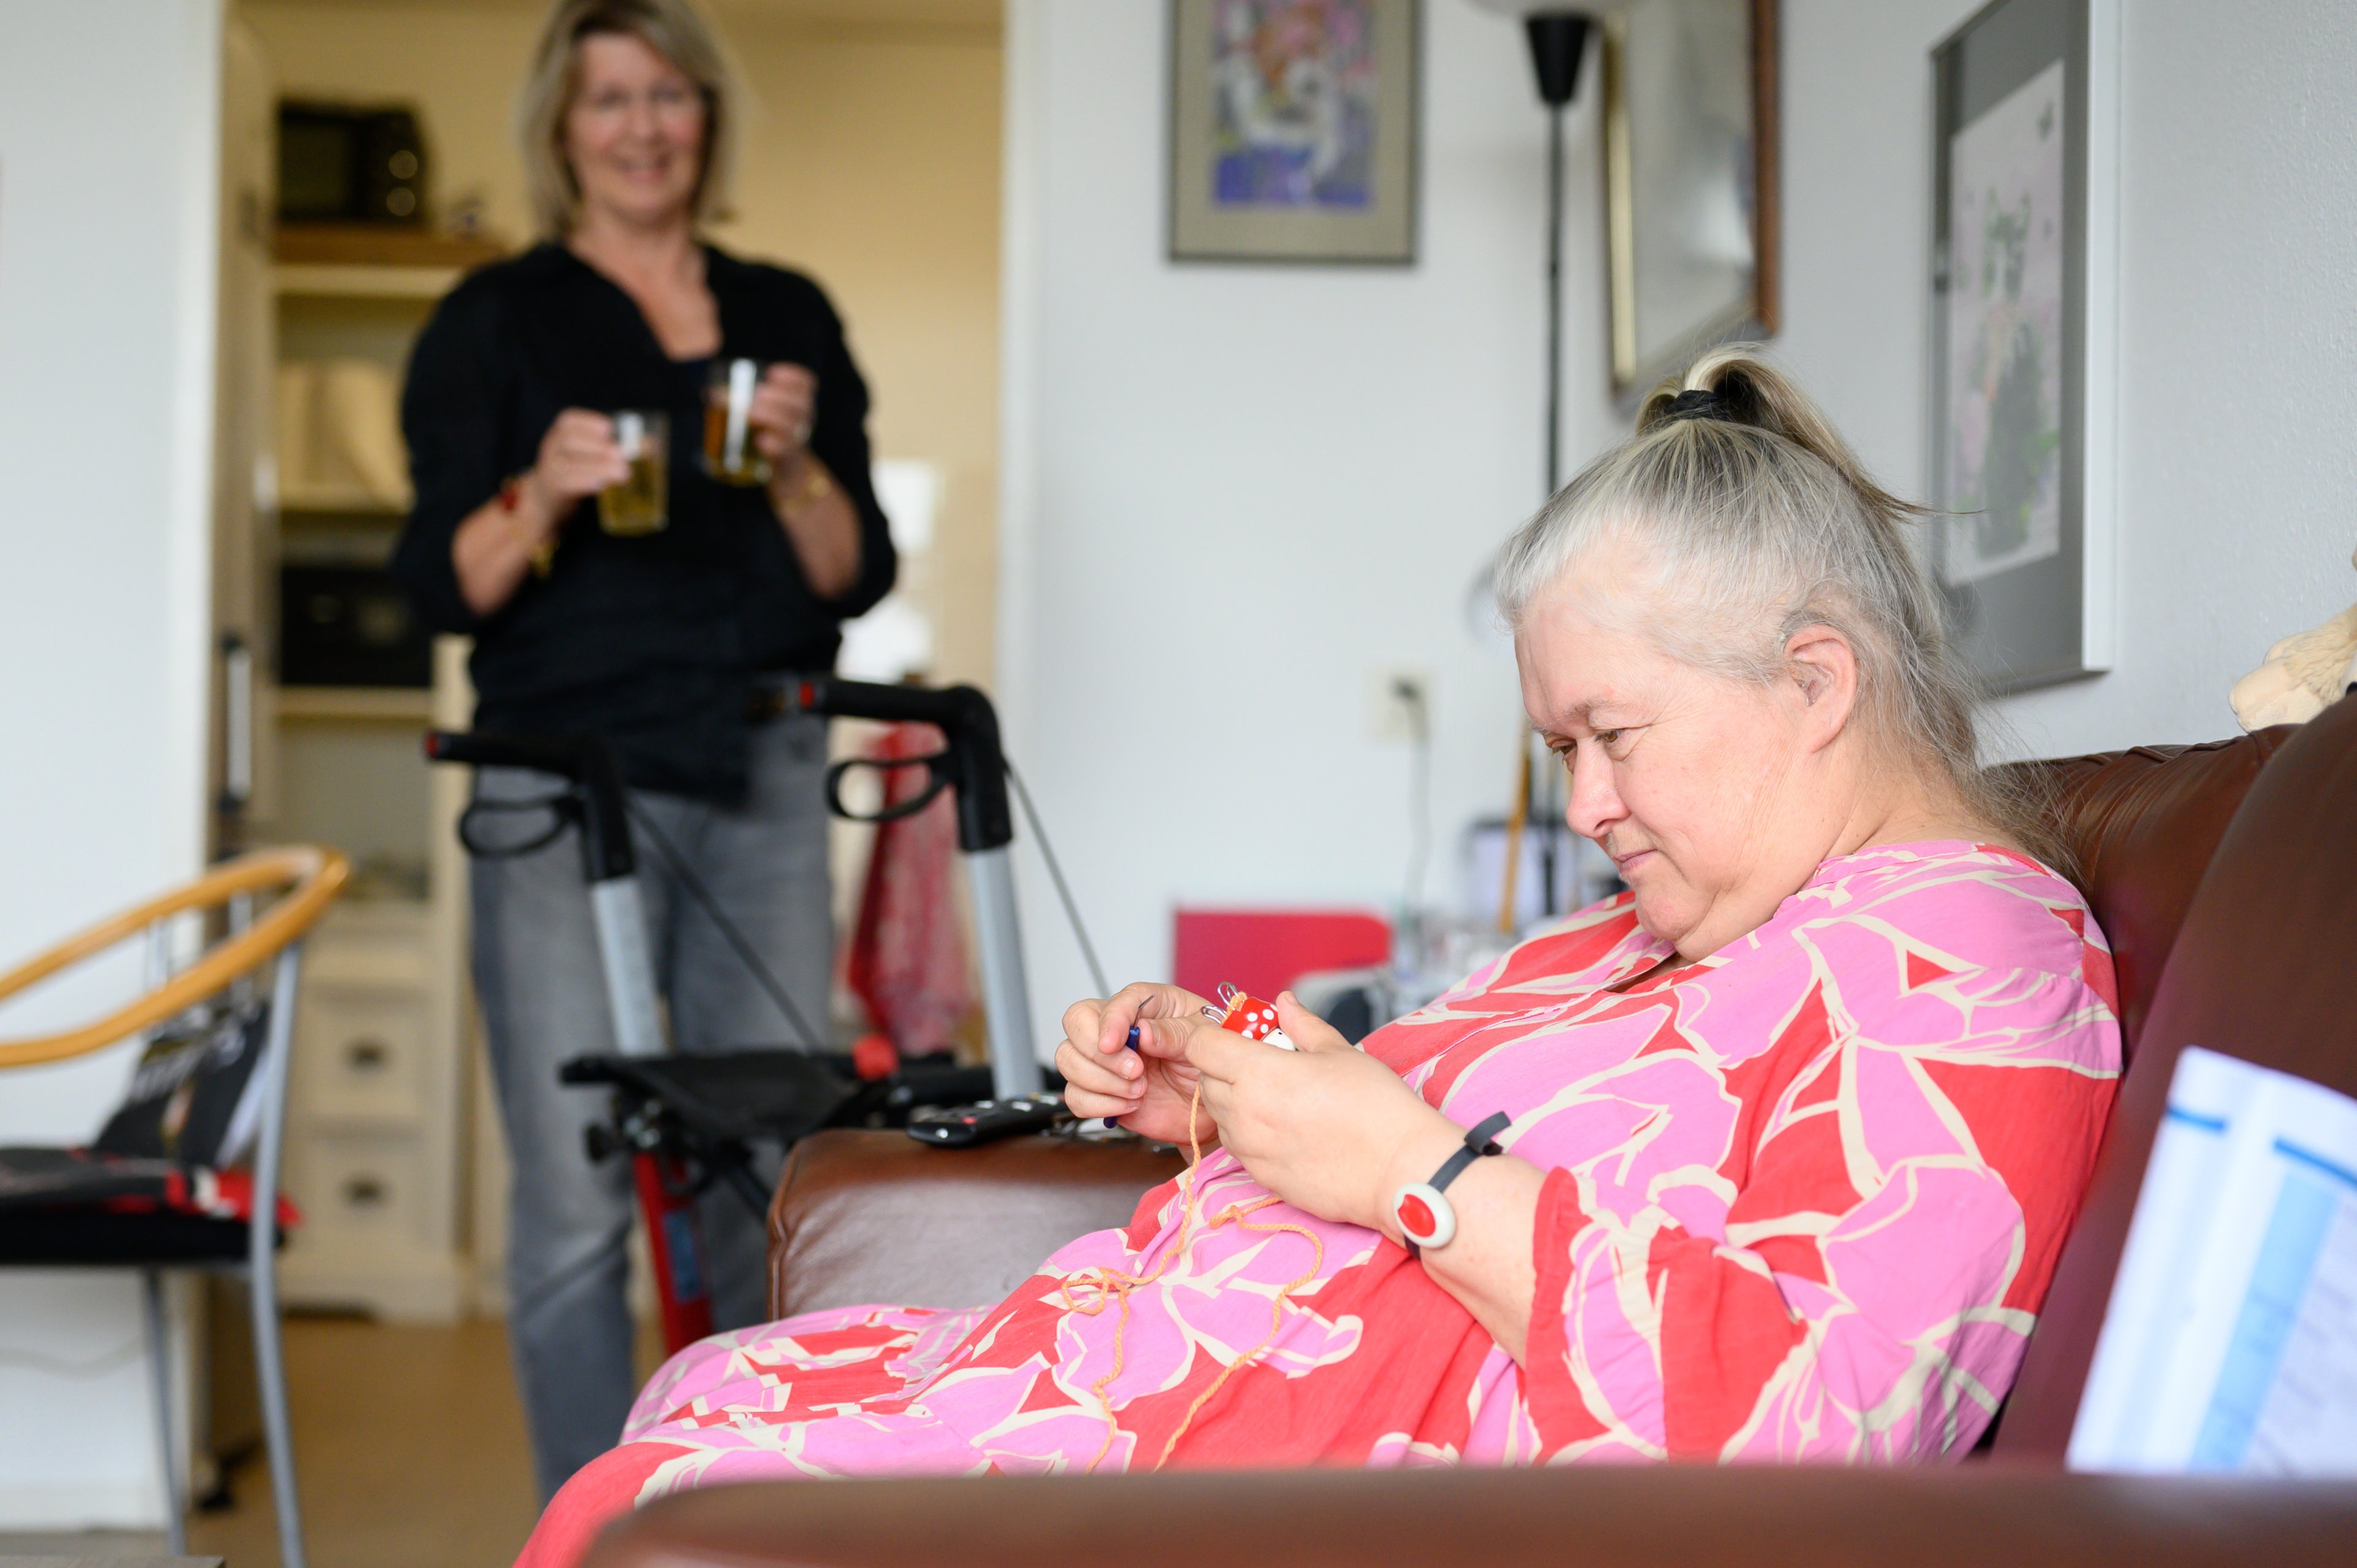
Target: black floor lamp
{"points": [[1558, 39]]}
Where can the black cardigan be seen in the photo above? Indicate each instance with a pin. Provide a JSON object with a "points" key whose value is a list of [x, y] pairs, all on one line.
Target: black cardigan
{"points": [[651, 641]]}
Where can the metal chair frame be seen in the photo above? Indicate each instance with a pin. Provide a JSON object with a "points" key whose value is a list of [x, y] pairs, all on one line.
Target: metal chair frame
{"points": [[274, 941]]}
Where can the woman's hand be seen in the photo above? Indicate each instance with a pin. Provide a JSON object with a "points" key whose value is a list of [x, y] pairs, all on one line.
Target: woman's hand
{"points": [[1149, 1090], [578, 458], [498, 542], [821, 523], [784, 406], [1324, 1126]]}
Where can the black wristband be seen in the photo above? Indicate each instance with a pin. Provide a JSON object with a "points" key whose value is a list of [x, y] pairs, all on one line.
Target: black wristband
{"points": [[1481, 1139]]}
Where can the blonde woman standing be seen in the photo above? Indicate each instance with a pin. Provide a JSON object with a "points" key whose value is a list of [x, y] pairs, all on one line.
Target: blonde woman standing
{"points": [[659, 641]]}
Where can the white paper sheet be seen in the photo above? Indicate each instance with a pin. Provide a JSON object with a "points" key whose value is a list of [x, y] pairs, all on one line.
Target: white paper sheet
{"points": [[2231, 1342]]}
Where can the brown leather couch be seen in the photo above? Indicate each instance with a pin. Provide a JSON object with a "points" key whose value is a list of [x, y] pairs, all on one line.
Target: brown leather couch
{"points": [[2225, 876]]}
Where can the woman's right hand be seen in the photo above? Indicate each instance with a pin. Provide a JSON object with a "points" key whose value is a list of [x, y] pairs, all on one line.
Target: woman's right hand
{"points": [[578, 458], [505, 537], [1148, 1090]]}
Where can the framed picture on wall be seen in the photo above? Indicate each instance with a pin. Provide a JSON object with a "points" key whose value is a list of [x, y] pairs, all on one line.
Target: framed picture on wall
{"points": [[1293, 130], [2024, 263], [1690, 168]]}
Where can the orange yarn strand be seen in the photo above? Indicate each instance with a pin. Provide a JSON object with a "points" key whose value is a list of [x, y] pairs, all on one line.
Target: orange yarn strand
{"points": [[1116, 1285], [1112, 1284], [1276, 1312]]}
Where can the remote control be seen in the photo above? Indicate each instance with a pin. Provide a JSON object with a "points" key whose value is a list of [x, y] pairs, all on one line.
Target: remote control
{"points": [[958, 1126]]}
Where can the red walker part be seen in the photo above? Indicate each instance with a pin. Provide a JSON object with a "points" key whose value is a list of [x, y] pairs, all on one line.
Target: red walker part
{"points": [[667, 1198]]}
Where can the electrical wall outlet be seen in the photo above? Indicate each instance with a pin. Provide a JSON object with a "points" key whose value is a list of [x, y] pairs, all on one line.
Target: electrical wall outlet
{"points": [[1399, 704]]}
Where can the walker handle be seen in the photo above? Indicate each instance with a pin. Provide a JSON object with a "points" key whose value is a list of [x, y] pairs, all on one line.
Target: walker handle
{"points": [[582, 759], [973, 763]]}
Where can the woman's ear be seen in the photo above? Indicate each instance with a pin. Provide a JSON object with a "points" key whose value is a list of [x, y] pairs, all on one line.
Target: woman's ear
{"points": [[1824, 667]]}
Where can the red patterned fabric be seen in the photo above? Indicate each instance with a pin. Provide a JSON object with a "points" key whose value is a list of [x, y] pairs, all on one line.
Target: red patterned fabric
{"points": [[907, 959]]}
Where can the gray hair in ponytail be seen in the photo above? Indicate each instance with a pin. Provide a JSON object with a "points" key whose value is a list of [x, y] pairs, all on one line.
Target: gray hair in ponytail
{"points": [[1757, 520]]}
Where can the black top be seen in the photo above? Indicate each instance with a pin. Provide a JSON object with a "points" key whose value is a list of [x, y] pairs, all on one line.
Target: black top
{"points": [[651, 640]]}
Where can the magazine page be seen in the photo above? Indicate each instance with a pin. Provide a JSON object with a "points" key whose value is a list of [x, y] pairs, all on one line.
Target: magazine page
{"points": [[2231, 1342]]}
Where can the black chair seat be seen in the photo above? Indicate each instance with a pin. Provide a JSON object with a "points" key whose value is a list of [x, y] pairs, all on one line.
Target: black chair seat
{"points": [[85, 1238], [88, 1207]]}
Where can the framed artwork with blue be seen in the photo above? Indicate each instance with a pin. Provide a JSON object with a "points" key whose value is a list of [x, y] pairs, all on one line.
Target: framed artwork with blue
{"points": [[1293, 131]]}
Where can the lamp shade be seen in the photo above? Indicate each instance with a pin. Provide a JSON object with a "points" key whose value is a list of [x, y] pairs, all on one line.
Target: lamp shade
{"points": [[1518, 9], [1558, 35]]}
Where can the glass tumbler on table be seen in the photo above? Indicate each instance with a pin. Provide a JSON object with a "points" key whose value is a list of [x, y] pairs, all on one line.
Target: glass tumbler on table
{"points": [[729, 455], [637, 505]]}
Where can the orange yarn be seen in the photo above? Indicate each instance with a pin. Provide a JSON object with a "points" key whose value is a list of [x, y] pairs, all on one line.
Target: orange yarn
{"points": [[1115, 1285]]}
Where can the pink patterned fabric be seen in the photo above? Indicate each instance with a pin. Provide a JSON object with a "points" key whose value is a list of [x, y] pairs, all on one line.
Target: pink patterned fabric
{"points": [[1804, 1201]]}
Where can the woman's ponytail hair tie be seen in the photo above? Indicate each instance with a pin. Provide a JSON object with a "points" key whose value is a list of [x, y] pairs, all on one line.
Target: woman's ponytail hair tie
{"points": [[1696, 402], [1761, 524]]}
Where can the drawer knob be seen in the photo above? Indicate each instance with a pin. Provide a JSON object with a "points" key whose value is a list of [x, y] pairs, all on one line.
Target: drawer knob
{"points": [[363, 1192], [366, 1056]]}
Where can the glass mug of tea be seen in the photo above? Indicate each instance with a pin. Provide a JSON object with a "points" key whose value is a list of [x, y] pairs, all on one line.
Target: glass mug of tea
{"points": [[636, 506], [729, 455]]}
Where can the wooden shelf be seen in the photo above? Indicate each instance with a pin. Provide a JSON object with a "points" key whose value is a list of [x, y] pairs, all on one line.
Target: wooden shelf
{"points": [[329, 281], [379, 245], [358, 261], [323, 498], [398, 705]]}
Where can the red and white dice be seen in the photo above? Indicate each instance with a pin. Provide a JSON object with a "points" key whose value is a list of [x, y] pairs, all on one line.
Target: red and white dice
{"points": [[1250, 1016]]}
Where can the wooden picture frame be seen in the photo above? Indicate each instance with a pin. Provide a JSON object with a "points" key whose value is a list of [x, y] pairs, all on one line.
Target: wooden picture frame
{"points": [[1691, 159], [1294, 131], [2024, 312]]}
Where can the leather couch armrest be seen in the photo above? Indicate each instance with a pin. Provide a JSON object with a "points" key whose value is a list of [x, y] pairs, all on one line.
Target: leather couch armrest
{"points": [[1654, 1516], [876, 1217]]}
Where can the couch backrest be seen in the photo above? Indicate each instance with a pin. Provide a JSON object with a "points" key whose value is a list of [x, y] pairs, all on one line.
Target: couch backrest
{"points": [[2256, 970], [2142, 826]]}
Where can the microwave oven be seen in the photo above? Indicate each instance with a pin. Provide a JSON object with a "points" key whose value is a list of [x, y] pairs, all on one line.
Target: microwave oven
{"points": [[344, 625], [342, 164]]}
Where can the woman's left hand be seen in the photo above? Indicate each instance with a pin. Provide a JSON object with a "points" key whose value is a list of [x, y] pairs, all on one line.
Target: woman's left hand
{"points": [[1322, 1127], [784, 406]]}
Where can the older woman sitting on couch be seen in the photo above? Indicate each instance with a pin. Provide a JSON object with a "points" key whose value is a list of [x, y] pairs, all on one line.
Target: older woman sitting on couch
{"points": [[1782, 1142]]}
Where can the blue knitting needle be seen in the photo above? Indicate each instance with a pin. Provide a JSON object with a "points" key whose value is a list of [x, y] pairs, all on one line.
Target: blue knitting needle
{"points": [[1111, 1122]]}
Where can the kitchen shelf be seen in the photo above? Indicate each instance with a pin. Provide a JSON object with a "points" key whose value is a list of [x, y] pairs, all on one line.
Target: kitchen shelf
{"points": [[352, 261], [331, 281], [354, 501], [379, 245], [398, 705]]}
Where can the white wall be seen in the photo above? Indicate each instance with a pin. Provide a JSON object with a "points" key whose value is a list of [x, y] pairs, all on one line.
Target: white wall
{"points": [[1231, 492], [108, 154], [2237, 321], [1234, 492]]}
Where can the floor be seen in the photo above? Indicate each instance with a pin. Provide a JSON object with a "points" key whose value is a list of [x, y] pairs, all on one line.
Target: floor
{"points": [[409, 1449]]}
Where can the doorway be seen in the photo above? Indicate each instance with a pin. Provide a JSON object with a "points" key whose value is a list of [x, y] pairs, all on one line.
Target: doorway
{"points": [[871, 161]]}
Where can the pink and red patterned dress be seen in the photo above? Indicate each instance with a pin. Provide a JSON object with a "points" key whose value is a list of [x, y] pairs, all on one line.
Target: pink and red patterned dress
{"points": [[1803, 1200]]}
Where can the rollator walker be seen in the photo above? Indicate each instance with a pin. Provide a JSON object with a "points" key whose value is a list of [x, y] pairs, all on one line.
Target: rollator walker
{"points": [[689, 1122]]}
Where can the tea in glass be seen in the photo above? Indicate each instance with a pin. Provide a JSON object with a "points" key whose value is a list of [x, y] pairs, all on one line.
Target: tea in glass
{"points": [[729, 455], [636, 506]]}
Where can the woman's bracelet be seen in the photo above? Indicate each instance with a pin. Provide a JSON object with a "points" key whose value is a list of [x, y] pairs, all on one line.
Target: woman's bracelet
{"points": [[818, 483], [544, 555]]}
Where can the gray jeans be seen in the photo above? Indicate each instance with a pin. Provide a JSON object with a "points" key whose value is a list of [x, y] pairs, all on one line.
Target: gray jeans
{"points": [[544, 999]]}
